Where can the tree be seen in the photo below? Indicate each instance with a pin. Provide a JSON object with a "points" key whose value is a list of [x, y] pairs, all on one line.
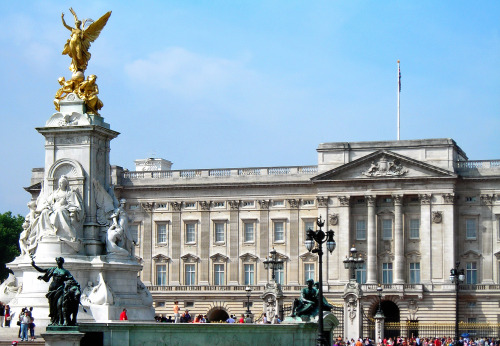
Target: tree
{"points": [[10, 229]]}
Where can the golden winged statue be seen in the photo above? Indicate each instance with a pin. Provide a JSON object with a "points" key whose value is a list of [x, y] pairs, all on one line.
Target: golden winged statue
{"points": [[77, 46]]}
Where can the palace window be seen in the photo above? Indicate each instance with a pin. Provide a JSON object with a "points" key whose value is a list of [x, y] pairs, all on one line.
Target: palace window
{"points": [[279, 203], [361, 229], [308, 271], [134, 232], [471, 273], [161, 274], [248, 204], [190, 274], [415, 273], [279, 231], [308, 202], [161, 233], [308, 225], [190, 233], [361, 274], [249, 273], [219, 204], [386, 229], [279, 275], [387, 273], [414, 228], [248, 231], [190, 205], [470, 228], [219, 274], [220, 230]]}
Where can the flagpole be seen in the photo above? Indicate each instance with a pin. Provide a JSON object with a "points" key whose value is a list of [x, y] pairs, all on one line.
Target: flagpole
{"points": [[399, 92]]}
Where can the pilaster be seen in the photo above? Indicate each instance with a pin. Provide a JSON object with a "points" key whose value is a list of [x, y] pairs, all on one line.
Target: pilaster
{"points": [[371, 263], [425, 238], [294, 245], [263, 239], [399, 246], [175, 271], [205, 235], [233, 241], [343, 237]]}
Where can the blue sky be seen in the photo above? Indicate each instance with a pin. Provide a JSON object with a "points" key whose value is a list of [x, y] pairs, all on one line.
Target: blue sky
{"points": [[210, 84]]}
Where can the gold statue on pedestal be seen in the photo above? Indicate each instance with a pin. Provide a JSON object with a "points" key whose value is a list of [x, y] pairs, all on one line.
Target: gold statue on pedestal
{"points": [[77, 48]]}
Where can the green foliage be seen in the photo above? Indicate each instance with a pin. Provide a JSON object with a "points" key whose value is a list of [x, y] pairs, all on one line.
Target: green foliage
{"points": [[10, 229]]}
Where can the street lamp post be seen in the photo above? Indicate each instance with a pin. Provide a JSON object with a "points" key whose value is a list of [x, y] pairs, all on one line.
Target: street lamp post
{"points": [[249, 293], [457, 276], [379, 316], [379, 291], [319, 237], [273, 263], [352, 263]]}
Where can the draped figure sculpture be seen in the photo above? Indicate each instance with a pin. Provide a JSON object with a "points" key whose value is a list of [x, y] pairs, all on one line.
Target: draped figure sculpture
{"points": [[61, 213], [119, 240], [77, 46]]}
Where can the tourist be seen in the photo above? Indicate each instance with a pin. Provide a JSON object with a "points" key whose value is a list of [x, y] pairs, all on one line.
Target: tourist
{"points": [[177, 315], [31, 325], [276, 320], [25, 321], [2, 314], [7, 316], [204, 319], [231, 319], [123, 315], [20, 318], [242, 319], [186, 317], [264, 318]]}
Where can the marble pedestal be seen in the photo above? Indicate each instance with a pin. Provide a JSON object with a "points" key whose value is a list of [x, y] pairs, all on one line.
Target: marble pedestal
{"points": [[115, 282]]}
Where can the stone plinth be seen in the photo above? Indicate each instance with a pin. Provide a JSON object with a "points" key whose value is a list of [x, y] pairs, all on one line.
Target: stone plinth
{"points": [[62, 336]]}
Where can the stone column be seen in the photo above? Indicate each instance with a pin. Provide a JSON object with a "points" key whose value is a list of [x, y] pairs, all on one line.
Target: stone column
{"points": [[487, 239], [371, 260], [344, 237], [425, 238], [263, 246], [294, 241], [147, 241], [399, 246], [233, 242], [353, 313], [448, 221], [175, 246], [205, 243]]}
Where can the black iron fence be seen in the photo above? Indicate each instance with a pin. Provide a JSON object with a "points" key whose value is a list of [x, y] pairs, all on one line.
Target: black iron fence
{"points": [[420, 329]]}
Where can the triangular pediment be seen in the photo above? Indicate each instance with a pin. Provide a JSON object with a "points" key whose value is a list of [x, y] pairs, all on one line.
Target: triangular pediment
{"points": [[218, 257], [161, 258], [382, 165], [190, 258]]}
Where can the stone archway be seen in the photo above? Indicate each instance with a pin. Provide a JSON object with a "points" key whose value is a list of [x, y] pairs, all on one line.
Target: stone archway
{"points": [[392, 314], [217, 314]]}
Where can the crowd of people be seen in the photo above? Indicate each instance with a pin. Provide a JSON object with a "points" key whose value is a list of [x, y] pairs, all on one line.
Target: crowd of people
{"points": [[417, 341]]}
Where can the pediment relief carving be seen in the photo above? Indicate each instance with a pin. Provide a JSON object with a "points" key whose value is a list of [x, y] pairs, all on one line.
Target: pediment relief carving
{"points": [[281, 256], [161, 258], [413, 255], [218, 257], [190, 258], [471, 254], [248, 257], [308, 257], [384, 164], [385, 167], [386, 255]]}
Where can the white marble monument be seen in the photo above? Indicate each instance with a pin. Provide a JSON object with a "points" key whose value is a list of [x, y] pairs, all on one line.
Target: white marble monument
{"points": [[77, 216]]}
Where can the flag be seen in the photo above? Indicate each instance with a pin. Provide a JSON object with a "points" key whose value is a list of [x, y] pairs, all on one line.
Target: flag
{"points": [[399, 81]]}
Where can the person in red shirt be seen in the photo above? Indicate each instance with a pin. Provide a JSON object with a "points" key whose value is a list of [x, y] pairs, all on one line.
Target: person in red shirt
{"points": [[123, 315]]}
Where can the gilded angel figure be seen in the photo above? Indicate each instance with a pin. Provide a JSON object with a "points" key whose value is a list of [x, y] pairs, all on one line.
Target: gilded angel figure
{"points": [[77, 46]]}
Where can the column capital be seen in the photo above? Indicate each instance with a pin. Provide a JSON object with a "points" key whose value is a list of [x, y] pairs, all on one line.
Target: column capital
{"points": [[234, 205], [322, 201], [148, 206], [449, 198], [425, 198], [176, 206], [294, 203], [398, 199], [344, 200], [370, 200], [205, 205], [264, 204], [487, 199]]}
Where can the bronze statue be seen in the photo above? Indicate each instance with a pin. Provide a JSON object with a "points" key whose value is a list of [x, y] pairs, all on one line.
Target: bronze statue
{"points": [[77, 46], [308, 304], [64, 293]]}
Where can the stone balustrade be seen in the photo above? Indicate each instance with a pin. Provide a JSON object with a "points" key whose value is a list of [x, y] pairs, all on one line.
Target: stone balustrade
{"points": [[220, 173]]}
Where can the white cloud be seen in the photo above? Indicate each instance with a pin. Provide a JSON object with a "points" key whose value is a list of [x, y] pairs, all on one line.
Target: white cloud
{"points": [[186, 74]]}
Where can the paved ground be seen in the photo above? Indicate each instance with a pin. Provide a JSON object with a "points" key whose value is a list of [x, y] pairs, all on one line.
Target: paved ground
{"points": [[7, 335]]}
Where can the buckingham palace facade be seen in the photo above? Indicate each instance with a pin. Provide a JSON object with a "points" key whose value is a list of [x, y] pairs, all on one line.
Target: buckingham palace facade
{"points": [[412, 208]]}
